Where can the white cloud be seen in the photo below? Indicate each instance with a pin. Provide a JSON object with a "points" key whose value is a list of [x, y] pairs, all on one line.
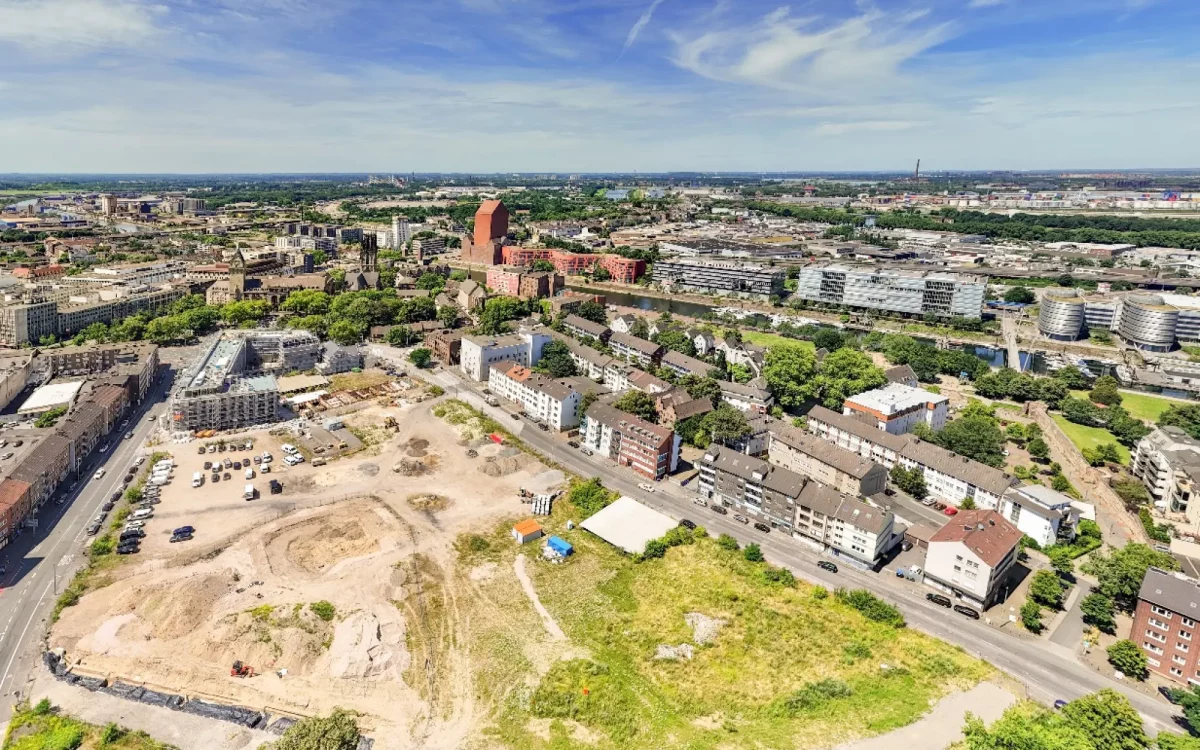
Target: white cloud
{"points": [[51, 26], [640, 24], [841, 128], [986, 3]]}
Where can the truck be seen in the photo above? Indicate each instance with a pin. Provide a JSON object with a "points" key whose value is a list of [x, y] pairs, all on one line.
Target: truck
{"points": [[250, 493]]}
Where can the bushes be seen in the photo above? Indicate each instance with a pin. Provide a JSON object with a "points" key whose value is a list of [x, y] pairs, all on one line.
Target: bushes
{"points": [[323, 609], [1031, 617], [813, 695], [1157, 532], [871, 606], [753, 553], [590, 497], [781, 576], [1046, 589], [727, 542], [655, 548]]}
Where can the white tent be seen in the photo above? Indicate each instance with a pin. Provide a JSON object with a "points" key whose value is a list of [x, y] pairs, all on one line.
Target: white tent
{"points": [[629, 525]]}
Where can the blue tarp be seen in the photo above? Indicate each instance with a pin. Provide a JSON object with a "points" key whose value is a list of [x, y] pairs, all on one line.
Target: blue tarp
{"points": [[560, 545]]}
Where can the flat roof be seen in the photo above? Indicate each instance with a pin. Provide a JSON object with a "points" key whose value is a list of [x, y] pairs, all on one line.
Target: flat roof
{"points": [[629, 525], [895, 398], [50, 396]]}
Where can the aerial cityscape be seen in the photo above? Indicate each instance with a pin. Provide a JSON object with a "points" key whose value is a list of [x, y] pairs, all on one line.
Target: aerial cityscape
{"points": [[619, 375]]}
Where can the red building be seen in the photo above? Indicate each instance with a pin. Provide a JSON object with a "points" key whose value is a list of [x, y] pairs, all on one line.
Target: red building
{"points": [[504, 280], [624, 270], [491, 222], [524, 256], [572, 263], [1164, 625]]}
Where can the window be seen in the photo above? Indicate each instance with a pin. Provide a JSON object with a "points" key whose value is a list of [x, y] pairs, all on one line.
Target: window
{"points": [[1178, 659], [1185, 635], [1177, 671], [1160, 611], [1188, 622], [1158, 624], [1156, 636], [1152, 648], [1181, 647]]}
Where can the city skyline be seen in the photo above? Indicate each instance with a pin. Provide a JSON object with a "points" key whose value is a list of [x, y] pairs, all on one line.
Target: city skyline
{"points": [[130, 86]]}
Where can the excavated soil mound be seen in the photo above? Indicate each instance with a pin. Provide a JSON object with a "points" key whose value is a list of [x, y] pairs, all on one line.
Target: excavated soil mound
{"points": [[417, 447], [501, 467], [429, 502], [320, 543], [169, 620]]}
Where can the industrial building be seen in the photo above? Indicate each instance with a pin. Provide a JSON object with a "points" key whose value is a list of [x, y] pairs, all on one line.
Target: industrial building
{"points": [[916, 293]]}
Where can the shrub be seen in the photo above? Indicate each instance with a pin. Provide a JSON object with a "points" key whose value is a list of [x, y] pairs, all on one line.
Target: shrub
{"points": [[102, 545], [871, 606], [856, 650], [110, 733], [820, 593], [323, 609], [727, 542], [338, 731], [655, 548], [812, 695], [1046, 589], [43, 707], [1157, 532], [782, 576], [1031, 616], [1128, 658], [753, 553], [677, 536]]}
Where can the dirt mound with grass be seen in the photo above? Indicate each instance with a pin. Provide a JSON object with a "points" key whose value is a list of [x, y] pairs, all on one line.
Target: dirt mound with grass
{"points": [[167, 620], [502, 467], [429, 502]]}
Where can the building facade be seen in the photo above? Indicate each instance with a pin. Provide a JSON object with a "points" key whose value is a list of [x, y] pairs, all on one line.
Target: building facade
{"points": [[897, 409], [1164, 625], [808, 455], [478, 353], [972, 557], [540, 397], [646, 449], [915, 293], [744, 280], [1167, 461]]}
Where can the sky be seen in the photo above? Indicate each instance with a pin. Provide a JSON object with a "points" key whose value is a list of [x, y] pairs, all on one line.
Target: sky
{"points": [[183, 86]]}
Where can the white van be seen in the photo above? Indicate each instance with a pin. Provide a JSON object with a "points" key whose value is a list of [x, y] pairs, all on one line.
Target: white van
{"points": [[141, 513], [249, 473], [249, 492], [158, 481], [288, 448], [197, 479]]}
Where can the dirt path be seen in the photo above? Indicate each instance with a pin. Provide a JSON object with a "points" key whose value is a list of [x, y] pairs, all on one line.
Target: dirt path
{"points": [[527, 585], [942, 726]]}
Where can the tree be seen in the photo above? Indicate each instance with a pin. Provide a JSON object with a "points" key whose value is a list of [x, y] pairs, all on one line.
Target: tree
{"points": [[725, 423], [1108, 719], [1061, 560], [1081, 411], [497, 311], [1098, 611], [911, 481], [434, 282], [245, 311], [400, 336], [701, 387], [1188, 699], [639, 404], [1046, 589], [1038, 448], [843, 374], [1020, 294], [166, 330], [789, 370], [447, 315], [458, 275], [1133, 492], [829, 339], [420, 357], [752, 553], [639, 328], [316, 324], [1127, 429], [1186, 418], [1125, 656], [338, 731], [346, 332], [1120, 572], [1066, 280], [975, 437], [556, 360], [967, 504], [1031, 617], [1015, 432], [541, 264], [586, 401], [1167, 741], [1105, 391], [1051, 391], [590, 497], [593, 311], [676, 340], [306, 302], [1072, 378]]}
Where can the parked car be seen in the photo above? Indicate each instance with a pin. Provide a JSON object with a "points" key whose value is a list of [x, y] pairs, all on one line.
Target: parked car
{"points": [[700, 501], [740, 518], [127, 549], [99, 474], [276, 487], [228, 463], [104, 448], [128, 435], [586, 451], [93, 529], [184, 530], [646, 486], [266, 469], [115, 496], [938, 599], [237, 465], [763, 528], [573, 443], [687, 524], [202, 450], [108, 506], [720, 510], [966, 611], [927, 502], [1060, 703], [208, 464], [826, 565], [6, 456], [258, 459], [215, 478], [180, 538], [950, 510]]}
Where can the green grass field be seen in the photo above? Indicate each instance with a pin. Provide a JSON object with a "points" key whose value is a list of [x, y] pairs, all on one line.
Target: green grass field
{"points": [[1089, 437], [759, 338], [754, 686], [1144, 406], [39, 728]]}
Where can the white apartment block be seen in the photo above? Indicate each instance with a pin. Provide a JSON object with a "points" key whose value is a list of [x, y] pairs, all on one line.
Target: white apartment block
{"points": [[1167, 461], [901, 291], [479, 353], [541, 397], [1040, 512], [897, 408]]}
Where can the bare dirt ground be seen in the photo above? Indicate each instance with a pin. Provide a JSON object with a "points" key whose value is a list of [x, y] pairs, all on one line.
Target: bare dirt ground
{"points": [[376, 544]]}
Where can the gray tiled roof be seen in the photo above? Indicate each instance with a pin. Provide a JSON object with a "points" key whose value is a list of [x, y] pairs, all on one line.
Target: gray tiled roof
{"points": [[649, 348], [845, 508], [781, 480], [1176, 594], [847, 462]]}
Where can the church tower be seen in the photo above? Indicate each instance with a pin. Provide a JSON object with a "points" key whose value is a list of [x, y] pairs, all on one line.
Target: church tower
{"points": [[369, 257], [237, 276]]}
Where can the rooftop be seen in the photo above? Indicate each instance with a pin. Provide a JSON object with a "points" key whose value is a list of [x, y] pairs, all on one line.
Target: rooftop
{"points": [[893, 399], [648, 348], [50, 396], [845, 508], [1171, 591], [985, 532], [629, 525], [847, 462]]}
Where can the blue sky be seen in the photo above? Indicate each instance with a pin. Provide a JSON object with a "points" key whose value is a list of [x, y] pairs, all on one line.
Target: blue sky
{"points": [[596, 85]]}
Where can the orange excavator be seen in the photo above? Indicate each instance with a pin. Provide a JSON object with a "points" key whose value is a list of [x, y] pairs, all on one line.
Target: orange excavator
{"points": [[241, 670]]}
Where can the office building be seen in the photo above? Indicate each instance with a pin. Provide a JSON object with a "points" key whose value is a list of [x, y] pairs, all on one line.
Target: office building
{"points": [[1164, 625], [647, 449], [479, 353], [1150, 322], [540, 397], [1061, 315], [108, 204], [917, 293], [720, 278], [972, 557], [897, 409]]}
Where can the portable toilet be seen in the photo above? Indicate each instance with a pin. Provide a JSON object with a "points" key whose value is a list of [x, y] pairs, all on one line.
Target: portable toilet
{"points": [[560, 546], [526, 531]]}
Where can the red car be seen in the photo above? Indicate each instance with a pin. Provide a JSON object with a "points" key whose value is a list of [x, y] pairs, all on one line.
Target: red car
{"points": [[950, 510]]}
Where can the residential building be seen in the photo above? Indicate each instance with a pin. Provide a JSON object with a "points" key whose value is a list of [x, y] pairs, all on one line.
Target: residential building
{"points": [[623, 270], [850, 529], [838, 468], [427, 246], [1041, 513], [336, 358], [900, 291], [479, 353], [747, 397], [15, 368], [282, 351], [676, 405], [897, 408], [902, 374], [703, 341], [623, 323], [584, 328], [621, 377], [647, 449], [446, 346], [972, 557], [471, 295], [221, 395], [757, 441], [401, 233], [750, 485], [635, 350], [588, 361], [682, 364], [540, 397], [949, 477], [1167, 461], [745, 280], [1164, 625]]}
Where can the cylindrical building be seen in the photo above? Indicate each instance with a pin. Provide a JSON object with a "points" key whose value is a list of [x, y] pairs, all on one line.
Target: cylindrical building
{"points": [[1148, 323], [1061, 314]]}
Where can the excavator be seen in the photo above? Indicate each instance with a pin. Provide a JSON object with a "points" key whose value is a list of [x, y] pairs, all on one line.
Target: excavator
{"points": [[241, 670]]}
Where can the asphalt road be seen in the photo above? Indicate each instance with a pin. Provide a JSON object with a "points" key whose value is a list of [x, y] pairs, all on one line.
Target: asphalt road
{"points": [[41, 561], [1046, 674]]}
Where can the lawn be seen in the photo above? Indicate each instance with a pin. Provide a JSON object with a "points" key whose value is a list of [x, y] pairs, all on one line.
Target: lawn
{"points": [[42, 727], [1144, 406], [759, 338], [1090, 437], [791, 667]]}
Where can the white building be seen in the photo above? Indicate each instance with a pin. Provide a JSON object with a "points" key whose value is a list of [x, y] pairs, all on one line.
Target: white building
{"points": [[972, 556], [623, 323], [897, 408], [401, 233], [746, 397], [1167, 461], [1040, 512], [478, 353], [901, 291], [541, 397], [620, 377]]}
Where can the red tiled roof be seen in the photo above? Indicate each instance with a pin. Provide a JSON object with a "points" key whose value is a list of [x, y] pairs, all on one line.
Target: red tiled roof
{"points": [[985, 532]]}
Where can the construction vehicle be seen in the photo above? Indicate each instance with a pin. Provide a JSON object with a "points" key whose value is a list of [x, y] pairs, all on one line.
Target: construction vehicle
{"points": [[241, 670]]}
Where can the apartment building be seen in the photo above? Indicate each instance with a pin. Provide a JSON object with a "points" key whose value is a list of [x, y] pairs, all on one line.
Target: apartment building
{"points": [[221, 396], [832, 466], [542, 398], [283, 351], [623, 270], [15, 368], [446, 346], [972, 557], [949, 477], [677, 404], [900, 291], [426, 246], [620, 377], [1041, 513], [72, 318], [588, 361], [844, 525], [745, 280], [584, 328], [479, 353], [681, 364], [1167, 461], [647, 449], [763, 492], [897, 408], [635, 350], [27, 323], [1164, 625], [746, 397]]}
